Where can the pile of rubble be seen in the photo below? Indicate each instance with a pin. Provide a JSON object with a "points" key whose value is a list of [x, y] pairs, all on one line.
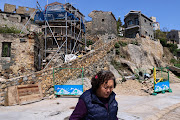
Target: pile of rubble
{"points": [[133, 87]]}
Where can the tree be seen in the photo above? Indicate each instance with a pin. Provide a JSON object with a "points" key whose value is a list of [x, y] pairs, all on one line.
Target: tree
{"points": [[119, 24], [162, 37]]}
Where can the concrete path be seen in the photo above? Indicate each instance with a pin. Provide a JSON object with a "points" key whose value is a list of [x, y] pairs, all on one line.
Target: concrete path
{"points": [[130, 107]]}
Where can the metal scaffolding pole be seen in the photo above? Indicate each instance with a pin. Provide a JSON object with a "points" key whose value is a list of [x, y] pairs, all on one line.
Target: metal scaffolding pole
{"points": [[52, 34], [66, 33], [54, 55], [45, 47], [28, 21]]}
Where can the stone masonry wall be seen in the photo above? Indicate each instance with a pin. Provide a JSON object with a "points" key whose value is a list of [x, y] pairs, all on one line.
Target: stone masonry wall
{"points": [[91, 62], [102, 22], [19, 10], [21, 60], [9, 8]]}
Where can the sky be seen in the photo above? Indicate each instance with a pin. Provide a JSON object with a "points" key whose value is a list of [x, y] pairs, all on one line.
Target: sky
{"points": [[167, 12]]}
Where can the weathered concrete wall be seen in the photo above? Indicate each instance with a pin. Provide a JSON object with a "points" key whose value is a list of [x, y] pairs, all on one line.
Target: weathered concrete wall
{"points": [[103, 22], [147, 26], [9, 8]]}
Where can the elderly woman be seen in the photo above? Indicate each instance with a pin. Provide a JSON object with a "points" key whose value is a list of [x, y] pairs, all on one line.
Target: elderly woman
{"points": [[98, 103]]}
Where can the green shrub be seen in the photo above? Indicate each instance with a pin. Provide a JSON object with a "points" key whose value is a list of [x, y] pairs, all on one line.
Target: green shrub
{"points": [[177, 65], [116, 64], [173, 48], [134, 42], [123, 44], [173, 61], [116, 45], [9, 30], [89, 42], [163, 41], [117, 52]]}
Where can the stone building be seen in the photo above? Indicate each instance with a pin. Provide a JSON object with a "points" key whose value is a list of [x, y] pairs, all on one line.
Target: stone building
{"points": [[136, 22], [156, 25], [20, 54], [174, 36], [102, 22]]}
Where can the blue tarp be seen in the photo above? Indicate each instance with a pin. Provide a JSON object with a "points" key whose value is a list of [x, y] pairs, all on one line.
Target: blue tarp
{"points": [[55, 12]]}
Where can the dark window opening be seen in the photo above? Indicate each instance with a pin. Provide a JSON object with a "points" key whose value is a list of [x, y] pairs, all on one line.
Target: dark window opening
{"points": [[130, 22], [150, 24], [136, 21], [144, 20], [102, 20], [173, 36], [6, 49], [146, 33]]}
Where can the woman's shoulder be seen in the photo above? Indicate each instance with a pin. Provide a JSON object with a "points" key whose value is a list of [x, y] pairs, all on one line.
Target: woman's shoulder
{"points": [[86, 94]]}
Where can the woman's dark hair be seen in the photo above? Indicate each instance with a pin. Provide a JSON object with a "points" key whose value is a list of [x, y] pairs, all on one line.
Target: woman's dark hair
{"points": [[101, 77]]}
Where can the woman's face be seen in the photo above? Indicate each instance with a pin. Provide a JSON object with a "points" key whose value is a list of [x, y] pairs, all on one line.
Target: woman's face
{"points": [[105, 89]]}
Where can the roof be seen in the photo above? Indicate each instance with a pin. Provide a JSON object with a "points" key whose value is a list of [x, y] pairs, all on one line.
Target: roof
{"points": [[95, 11], [67, 4], [137, 12]]}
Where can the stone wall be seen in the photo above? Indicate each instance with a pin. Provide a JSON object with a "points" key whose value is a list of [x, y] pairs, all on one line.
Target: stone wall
{"points": [[24, 54], [91, 62], [20, 10], [9, 8], [102, 22]]}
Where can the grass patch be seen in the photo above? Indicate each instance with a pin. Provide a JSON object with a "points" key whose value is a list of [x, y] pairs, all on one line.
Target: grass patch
{"points": [[9, 30]]}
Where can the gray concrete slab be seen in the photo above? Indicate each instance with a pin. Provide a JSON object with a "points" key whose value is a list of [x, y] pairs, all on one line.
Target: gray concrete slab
{"points": [[130, 107]]}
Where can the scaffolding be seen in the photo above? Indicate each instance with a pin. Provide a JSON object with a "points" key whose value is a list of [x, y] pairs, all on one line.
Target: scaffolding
{"points": [[64, 29]]}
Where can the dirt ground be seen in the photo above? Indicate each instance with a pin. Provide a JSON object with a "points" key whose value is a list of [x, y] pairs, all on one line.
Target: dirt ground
{"points": [[133, 104]]}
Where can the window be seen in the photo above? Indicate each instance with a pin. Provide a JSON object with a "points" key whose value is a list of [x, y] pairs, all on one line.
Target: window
{"points": [[144, 20], [6, 49], [146, 33], [130, 22], [150, 24], [136, 21], [102, 20]]}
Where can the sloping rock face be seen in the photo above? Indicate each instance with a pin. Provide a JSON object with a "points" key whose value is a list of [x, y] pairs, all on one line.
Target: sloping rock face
{"points": [[149, 53]]}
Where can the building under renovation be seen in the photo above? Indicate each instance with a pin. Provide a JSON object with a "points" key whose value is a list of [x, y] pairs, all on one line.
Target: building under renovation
{"points": [[64, 29]]}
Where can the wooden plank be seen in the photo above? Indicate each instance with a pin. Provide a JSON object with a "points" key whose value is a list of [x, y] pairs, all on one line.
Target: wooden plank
{"points": [[29, 98], [25, 86], [12, 95], [40, 90], [29, 93]]}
